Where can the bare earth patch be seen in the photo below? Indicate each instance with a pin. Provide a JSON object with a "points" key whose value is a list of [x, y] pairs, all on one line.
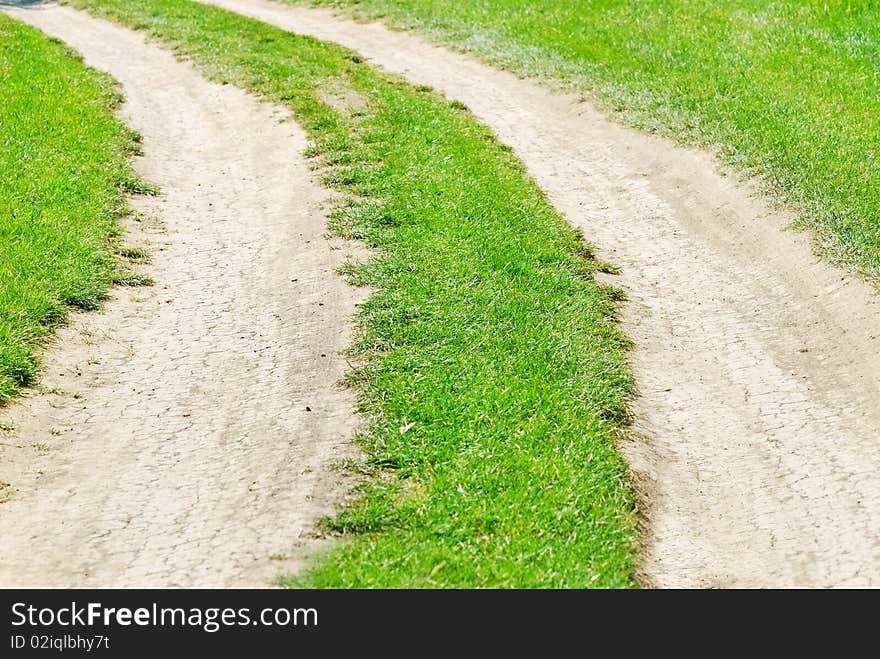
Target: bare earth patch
{"points": [[187, 436], [757, 435]]}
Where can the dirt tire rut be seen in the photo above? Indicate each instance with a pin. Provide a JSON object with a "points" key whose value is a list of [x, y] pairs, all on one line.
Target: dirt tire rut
{"points": [[194, 425]]}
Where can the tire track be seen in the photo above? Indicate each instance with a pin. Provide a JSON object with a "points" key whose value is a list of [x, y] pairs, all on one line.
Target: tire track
{"points": [[192, 429]]}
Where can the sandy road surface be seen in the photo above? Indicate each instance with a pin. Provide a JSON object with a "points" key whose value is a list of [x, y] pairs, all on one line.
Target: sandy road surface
{"points": [[758, 421], [205, 413]]}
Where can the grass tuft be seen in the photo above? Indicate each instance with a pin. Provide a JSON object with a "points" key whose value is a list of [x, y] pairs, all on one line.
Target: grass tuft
{"points": [[130, 278], [134, 254]]}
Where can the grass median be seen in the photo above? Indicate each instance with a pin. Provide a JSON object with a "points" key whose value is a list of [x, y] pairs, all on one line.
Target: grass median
{"points": [[492, 374], [785, 91], [63, 158]]}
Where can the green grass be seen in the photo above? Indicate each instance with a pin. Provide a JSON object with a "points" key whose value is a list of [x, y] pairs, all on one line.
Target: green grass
{"points": [[64, 174], [493, 376], [786, 91]]}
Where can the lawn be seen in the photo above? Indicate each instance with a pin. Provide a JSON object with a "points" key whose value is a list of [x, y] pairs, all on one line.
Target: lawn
{"points": [[492, 375], [64, 174], [786, 91]]}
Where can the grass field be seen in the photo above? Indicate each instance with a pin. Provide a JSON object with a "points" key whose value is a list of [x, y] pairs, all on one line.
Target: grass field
{"points": [[788, 91], [494, 379], [64, 171]]}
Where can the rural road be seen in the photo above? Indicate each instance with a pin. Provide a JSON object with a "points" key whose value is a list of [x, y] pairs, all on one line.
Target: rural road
{"points": [[757, 435], [187, 435], [189, 458]]}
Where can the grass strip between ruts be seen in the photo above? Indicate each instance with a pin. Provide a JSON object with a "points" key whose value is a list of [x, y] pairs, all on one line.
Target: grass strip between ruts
{"points": [[493, 376]]}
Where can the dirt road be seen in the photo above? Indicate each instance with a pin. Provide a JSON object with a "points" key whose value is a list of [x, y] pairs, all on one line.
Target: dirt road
{"points": [[758, 421], [192, 426]]}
